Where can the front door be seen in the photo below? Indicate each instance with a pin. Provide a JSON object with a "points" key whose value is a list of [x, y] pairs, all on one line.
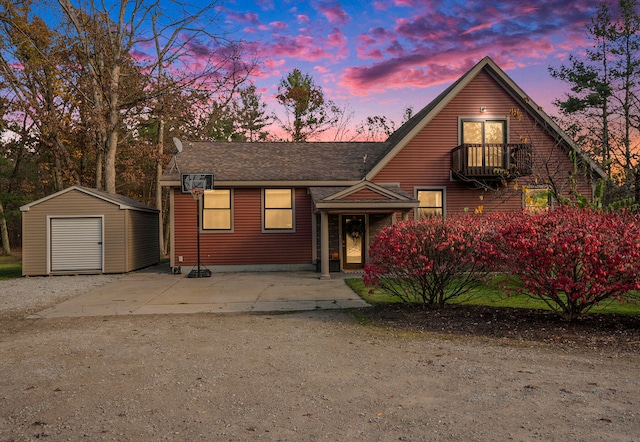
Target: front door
{"points": [[353, 241]]}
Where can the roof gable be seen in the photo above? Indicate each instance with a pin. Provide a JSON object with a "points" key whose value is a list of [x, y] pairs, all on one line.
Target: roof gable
{"points": [[366, 190], [121, 201], [365, 194], [400, 138]]}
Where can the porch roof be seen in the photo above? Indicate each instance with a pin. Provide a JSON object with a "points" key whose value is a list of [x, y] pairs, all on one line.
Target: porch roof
{"points": [[364, 196]]}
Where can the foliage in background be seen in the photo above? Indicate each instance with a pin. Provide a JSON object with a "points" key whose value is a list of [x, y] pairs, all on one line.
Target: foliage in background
{"points": [[91, 98], [601, 110]]}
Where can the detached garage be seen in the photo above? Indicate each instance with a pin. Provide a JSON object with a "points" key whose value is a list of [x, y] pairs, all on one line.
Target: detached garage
{"points": [[82, 230]]}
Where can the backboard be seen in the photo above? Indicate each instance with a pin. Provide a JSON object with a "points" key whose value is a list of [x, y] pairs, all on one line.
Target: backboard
{"points": [[196, 180]]}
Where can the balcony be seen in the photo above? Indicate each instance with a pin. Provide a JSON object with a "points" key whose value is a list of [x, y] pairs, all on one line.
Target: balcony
{"points": [[491, 161]]}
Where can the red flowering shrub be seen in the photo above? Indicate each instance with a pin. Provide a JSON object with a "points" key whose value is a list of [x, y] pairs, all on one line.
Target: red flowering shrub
{"points": [[430, 261], [570, 258]]}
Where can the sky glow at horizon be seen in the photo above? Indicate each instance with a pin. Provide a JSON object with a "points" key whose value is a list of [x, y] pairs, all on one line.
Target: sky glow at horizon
{"points": [[377, 58]]}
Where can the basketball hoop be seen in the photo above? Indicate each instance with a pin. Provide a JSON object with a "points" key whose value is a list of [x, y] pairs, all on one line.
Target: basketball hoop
{"points": [[196, 192], [196, 184]]}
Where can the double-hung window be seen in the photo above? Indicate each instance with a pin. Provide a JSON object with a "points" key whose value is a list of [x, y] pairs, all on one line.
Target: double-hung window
{"points": [[431, 202], [278, 209], [216, 209]]}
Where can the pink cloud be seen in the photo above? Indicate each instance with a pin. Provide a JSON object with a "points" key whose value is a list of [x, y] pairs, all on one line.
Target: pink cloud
{"points": [[336, 38], [279, 25], [380, 6], [407, 3], [304, 47], [273, 64], [302, 18], [334, 13]]}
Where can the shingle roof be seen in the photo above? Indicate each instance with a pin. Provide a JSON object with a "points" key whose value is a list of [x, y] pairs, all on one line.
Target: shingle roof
{"points": [[276, 161], [331, 162]]}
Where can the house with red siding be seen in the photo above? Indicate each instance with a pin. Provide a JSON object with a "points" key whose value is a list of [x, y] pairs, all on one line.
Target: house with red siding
{"points": [[482, 145]]}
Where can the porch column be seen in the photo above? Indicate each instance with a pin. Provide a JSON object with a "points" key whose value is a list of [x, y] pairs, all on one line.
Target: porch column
{"points": [[324, 245]]}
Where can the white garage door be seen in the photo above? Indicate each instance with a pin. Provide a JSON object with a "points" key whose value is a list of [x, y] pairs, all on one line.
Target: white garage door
{"points": [[76, 244]]}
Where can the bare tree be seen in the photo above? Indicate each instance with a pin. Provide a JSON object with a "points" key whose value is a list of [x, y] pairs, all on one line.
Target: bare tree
{"points": [[177, 35]]}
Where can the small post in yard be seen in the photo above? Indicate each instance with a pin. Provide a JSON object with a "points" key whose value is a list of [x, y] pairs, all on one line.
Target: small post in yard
{"points": [[196, 184]]}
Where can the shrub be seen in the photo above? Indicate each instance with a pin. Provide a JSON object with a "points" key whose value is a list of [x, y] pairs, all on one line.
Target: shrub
{"points": [[430, 261], [570, 258]]}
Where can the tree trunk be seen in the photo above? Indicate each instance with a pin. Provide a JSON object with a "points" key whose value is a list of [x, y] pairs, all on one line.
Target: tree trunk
{"points": [[112, 135], [158, 177], [110, 162], [4, 231]]}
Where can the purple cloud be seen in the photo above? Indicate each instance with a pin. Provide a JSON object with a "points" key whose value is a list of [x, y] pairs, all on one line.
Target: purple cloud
{"points": [[334, 13]]}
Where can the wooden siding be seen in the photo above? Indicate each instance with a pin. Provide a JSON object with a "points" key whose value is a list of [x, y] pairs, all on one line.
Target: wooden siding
{"points": [[365, 194], [130, 237], [246, 244], [426, 160], [143, 245], [74, 203]]}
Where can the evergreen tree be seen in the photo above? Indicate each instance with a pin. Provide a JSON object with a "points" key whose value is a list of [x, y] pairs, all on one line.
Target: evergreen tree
{"points": [[308, 113]]}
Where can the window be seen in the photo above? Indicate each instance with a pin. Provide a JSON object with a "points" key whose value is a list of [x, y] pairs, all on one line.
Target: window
{"points": [[488, 138], [216, 209], [431, 203], [536, 199], [278, 209]]}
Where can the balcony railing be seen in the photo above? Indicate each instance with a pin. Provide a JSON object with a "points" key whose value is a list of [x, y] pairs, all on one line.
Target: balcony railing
{"points": [[492, 161]]}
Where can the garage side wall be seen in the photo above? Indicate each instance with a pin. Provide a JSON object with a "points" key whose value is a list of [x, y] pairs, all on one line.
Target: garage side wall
{"points": [[143, 245], [71, 204]]}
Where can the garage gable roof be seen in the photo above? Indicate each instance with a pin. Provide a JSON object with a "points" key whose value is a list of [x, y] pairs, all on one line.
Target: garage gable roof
{"points": [[122, 201]]}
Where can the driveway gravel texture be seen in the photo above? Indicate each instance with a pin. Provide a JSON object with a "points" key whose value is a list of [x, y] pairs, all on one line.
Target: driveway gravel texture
{"points": [[371, 374]]}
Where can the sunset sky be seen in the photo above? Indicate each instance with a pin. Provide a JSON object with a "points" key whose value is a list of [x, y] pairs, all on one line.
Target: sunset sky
{"points": [[378, 57]]}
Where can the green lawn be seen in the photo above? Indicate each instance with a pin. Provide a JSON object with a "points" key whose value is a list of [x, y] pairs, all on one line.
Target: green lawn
{"points": [[10, 267], [490, 294]]}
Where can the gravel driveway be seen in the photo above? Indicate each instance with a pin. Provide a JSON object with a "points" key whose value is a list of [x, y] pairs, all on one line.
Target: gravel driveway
{"points": [[319, 375]]}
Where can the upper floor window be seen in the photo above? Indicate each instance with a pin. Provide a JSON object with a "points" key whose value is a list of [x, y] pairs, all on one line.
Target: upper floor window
{"points": [[216, 209], [536, 199], [431, 203], [489, 136], [278, 209]]}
